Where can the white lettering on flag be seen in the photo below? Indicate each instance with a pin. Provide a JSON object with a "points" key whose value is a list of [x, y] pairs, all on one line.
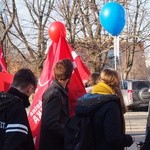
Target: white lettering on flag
{"points": [[36, 108], [43, 84]]}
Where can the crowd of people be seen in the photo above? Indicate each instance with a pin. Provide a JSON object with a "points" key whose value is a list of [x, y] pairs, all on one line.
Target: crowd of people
{"points": [[108, 124]]}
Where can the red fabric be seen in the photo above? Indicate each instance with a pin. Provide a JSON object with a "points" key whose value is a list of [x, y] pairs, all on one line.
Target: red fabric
{"points": [[57, 51], [5, 78], [83, 70], [2, 60], [5, 81]]}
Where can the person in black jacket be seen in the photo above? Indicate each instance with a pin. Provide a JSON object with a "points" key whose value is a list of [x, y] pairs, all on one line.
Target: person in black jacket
{"points": [[15, 133], [108, 125], [146, 144], [55, 108]]}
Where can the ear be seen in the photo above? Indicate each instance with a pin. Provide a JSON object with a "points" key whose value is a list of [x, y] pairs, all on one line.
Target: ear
{"points": [[29, 90], [32, 89]]}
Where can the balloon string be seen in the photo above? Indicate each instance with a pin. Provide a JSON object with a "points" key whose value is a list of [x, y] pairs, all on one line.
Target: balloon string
{"points": [[119, 59], [115, 54], [117, 46]]}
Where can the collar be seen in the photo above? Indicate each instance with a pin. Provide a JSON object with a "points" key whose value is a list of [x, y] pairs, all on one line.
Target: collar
{"points": [[60, 86], [21, 95]]}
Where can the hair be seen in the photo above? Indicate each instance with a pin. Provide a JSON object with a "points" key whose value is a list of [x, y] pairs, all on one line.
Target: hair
{"points": [[112, 78], [63, 69], [23, 78], [93, 79]]}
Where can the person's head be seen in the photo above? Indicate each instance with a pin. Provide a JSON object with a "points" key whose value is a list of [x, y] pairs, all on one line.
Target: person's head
{"points": [[112, 78], [25, 81], [63, 71], [93, 79]]}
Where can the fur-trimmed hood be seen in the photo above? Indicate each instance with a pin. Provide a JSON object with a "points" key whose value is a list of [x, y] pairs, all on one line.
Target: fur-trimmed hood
{"points": [[89, 102]]}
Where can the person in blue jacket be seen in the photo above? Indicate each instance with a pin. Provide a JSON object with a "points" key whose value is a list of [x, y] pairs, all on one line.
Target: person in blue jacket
{"points": [[108, 124]]}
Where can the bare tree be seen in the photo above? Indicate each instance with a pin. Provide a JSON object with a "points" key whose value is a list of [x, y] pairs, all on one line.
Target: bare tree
{"points": [[91, 40], [6, 26], [85, 31], [29, 33], [136, 33]]}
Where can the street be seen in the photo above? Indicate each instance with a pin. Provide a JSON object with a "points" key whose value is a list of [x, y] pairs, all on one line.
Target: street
{"points": [[135, 125]]}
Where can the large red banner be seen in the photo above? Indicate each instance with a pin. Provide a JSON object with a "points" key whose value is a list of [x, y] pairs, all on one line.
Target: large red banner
{"points": [[5, 81], [57, 51]]}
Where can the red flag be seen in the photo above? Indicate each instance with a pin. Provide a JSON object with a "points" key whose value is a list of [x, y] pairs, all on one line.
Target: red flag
{"points": [[2, 60], [5, 81], [57, 51], [83, 70], [5, 77]]}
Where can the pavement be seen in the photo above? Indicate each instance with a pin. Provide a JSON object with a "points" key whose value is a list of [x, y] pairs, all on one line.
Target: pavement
{"points": [[136, 127], [136, 122]]}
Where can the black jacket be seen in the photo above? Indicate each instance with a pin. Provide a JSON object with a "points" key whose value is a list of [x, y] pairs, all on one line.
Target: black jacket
{"points": [[55, 113], [107, 127], [146, 145], [15, 132]]}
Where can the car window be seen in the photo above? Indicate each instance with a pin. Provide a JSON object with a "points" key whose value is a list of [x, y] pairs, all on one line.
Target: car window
{"points": [[139, 85]]}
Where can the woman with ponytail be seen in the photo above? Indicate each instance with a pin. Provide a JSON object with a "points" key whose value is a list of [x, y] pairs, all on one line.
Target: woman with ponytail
{"points": [[112, 130]]}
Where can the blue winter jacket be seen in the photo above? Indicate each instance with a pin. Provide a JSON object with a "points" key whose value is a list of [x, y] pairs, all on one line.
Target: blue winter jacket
{"points": [[108, 122]]}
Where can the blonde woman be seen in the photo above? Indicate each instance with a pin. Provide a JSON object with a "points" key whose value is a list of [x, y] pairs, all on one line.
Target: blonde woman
{"points": [[108, 125]]}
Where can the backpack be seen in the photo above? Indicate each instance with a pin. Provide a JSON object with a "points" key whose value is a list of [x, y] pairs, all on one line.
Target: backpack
{"points": [[79, 133]]}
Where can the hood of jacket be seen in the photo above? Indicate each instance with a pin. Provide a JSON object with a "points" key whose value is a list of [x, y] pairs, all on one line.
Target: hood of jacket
{"points": [[6, 100], [91, 102], [24, 98]]}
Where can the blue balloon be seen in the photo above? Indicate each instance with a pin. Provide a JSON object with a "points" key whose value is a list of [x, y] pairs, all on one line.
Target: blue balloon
{"points": [[112, 18]]}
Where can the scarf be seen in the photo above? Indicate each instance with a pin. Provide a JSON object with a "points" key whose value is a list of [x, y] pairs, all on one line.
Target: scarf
{"points": [[102, 88]]}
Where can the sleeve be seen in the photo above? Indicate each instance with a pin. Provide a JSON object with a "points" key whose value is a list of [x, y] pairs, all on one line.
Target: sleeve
{"points": [[51, 113], [112, 129], [16, 128], [146, 144]]}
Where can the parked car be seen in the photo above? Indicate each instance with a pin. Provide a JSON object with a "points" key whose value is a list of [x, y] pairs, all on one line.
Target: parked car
{"points": [[136, 93]]}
